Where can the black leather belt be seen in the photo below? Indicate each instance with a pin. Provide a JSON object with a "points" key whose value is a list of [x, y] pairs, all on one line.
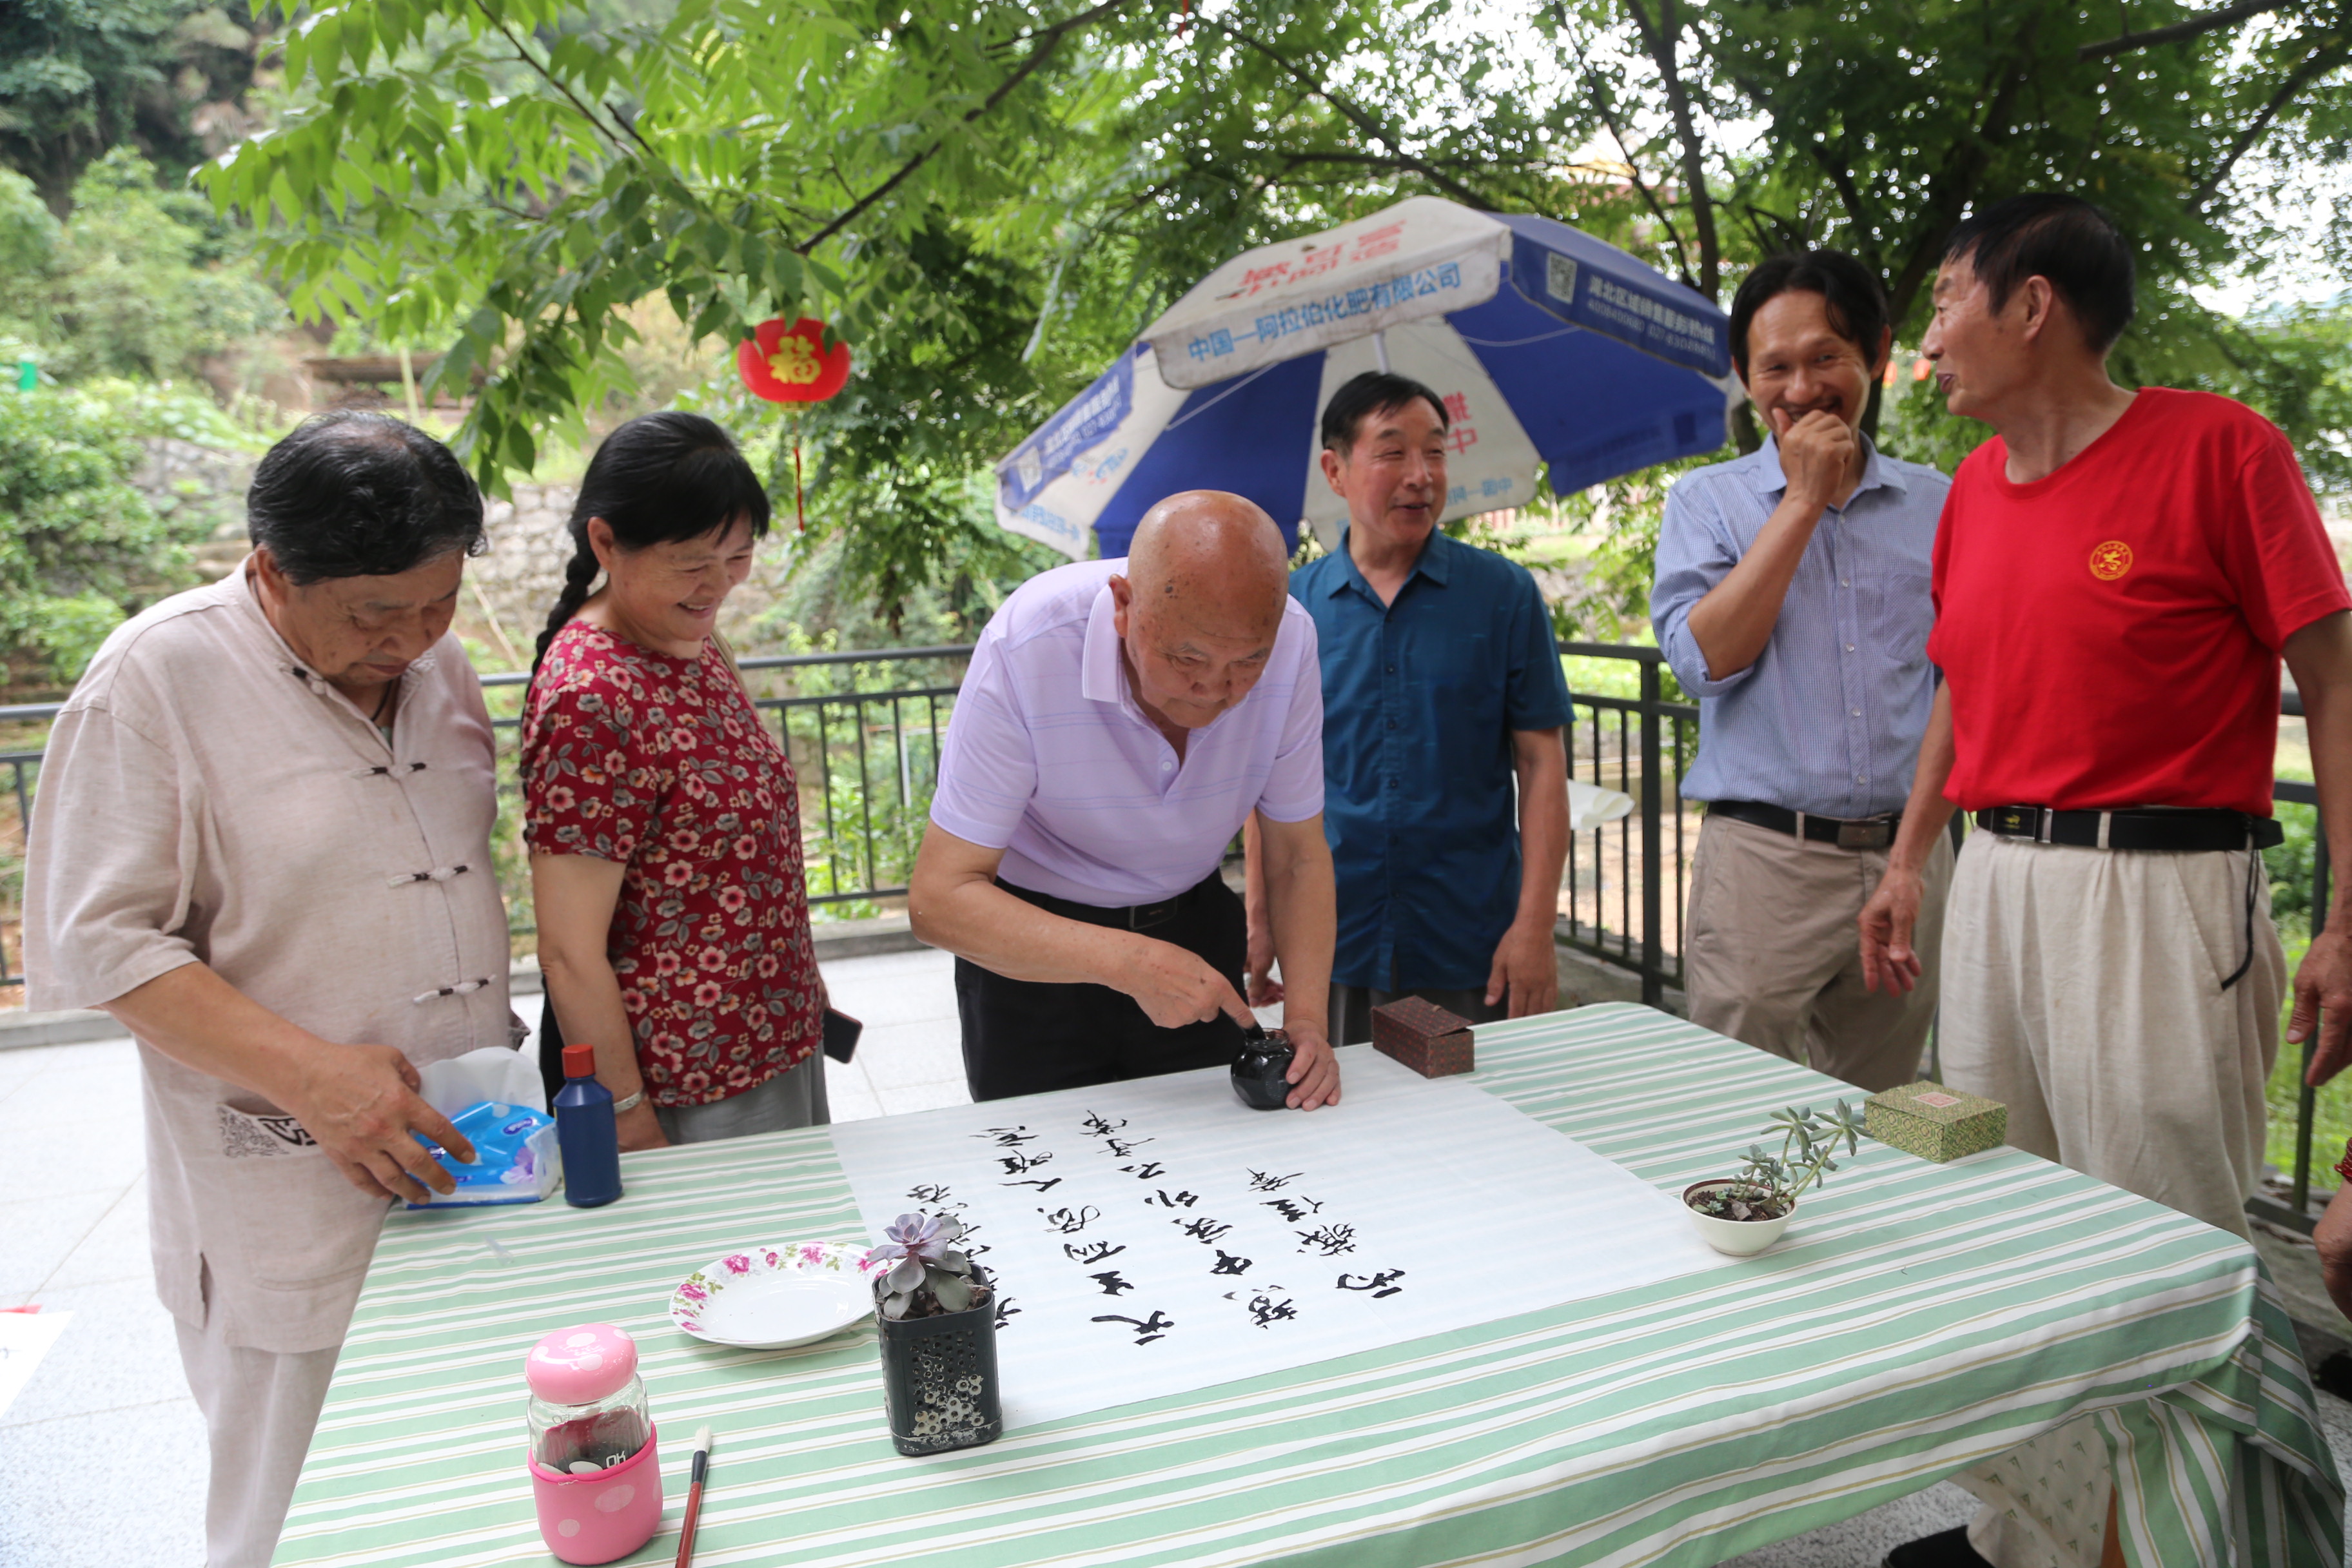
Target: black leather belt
{"points": [[2133, 829], [1846, 833], [1130, 917]]}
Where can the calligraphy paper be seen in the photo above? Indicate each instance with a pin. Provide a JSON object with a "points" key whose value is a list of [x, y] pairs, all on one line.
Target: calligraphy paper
{"points": [[1156, 1236], [24, 1339]]}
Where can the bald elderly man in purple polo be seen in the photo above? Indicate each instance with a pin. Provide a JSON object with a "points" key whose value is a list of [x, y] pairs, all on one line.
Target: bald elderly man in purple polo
{"points": [[1120, 721]]}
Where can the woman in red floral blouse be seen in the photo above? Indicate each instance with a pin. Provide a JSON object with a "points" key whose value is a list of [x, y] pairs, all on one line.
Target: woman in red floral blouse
{"points": [[662, 818]]}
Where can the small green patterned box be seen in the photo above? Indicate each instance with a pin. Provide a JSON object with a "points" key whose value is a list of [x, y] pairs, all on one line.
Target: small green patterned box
{"points": [[1934, 1122]]}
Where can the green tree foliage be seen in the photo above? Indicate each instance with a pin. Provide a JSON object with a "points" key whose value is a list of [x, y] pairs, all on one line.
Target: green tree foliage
{"points": [[78, 77], [1876, 128], [79, 546], [139, 281], [2296, 365], [988, 197], [124, 302]]}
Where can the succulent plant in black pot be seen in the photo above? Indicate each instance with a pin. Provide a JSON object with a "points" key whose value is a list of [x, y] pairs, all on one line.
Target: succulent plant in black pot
{"points": [[927, 1276], [938, 1338]]}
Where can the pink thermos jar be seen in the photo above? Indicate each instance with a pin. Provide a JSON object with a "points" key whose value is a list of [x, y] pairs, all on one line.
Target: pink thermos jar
{"points": [[594, 1469]]}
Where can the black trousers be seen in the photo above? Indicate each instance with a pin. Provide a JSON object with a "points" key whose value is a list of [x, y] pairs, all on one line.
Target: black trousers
{"points": [[1026, 1036]]}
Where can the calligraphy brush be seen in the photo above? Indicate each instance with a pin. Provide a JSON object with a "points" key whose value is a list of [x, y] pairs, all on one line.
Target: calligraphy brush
{"points": [[694, 1497]]}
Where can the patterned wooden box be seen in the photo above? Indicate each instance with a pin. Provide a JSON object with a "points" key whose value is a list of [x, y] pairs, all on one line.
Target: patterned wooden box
{"points": [[1427, 1038], [1934, 1122]]}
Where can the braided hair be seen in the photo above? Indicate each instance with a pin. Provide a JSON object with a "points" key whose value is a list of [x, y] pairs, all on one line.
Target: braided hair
{"points": [[659, 478]]}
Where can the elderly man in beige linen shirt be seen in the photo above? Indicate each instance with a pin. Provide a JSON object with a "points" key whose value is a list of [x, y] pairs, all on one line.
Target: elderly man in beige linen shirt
{"points": [[262, 843]]}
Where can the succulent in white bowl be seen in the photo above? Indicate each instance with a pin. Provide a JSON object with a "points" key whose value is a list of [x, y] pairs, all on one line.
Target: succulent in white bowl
{"points": [[1745, 1213]]}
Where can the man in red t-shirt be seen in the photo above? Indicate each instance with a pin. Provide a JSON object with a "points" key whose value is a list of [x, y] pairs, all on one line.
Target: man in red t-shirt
{"points": [[2117, 577]]}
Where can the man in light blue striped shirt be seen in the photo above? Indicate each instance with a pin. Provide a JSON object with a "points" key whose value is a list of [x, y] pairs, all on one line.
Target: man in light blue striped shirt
{"points": [[1791, 599]]}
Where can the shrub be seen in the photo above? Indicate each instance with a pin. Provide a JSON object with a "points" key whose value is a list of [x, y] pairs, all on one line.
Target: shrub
{"points": [[79, 548]]}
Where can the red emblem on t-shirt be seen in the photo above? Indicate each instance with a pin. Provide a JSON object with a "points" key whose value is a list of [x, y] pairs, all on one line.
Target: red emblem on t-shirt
{"points": [[2111, 560]]}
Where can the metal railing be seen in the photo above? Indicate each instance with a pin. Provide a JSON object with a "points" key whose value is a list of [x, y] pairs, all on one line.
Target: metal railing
{"points": [[862, 784], [1625, 744], [16, 814], [2296, 1212], [863, 731], [1642, 746]]}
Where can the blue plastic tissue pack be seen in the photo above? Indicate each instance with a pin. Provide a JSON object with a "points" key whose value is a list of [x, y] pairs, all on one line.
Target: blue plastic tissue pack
{"points": [[515, 1157]]}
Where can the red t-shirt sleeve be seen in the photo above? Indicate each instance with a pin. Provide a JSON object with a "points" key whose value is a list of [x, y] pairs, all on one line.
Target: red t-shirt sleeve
{"points": [[1940, 557], [2274, 550], [591, 789]]}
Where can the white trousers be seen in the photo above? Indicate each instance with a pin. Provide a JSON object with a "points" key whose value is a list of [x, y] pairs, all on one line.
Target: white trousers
{"points": [[2083, 990], [260, 1408]]}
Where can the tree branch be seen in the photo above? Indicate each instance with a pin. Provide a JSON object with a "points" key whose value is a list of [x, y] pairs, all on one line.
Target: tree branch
{"points": [[549, 77], [1955, 186], [2317, 64], [1376, 160], [1659, 42], [2194, 26], [1842, 176], [1348, 111], [1640, 187], [1048, 40]]}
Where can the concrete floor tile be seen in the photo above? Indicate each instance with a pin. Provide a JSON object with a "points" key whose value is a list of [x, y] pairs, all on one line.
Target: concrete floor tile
{"points": [[77, 1121], [121, 1489], [900, 1054], [80, 1055], [916, 961], [37, 1235], [72, 1159], [917, 1097], [120, 1352], [115, 1249], [97, 1069], [14, 1073], [888, 990], [850, 1097], [2336, 1422], [1864, 1540]]}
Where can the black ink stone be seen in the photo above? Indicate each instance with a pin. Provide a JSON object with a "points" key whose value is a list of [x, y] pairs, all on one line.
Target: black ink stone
{"points": [[1258, 1080]]}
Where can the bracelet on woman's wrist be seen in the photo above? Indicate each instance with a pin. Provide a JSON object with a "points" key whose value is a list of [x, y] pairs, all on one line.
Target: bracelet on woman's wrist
{"points": [[630, 1103]]}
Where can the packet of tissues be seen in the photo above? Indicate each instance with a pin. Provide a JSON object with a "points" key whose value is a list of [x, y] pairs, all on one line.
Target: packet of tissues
{"points": [[515, 1157], [488, 1093]]}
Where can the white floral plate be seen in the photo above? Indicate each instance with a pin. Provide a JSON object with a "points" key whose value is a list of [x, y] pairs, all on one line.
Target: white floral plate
{"points": [[773, 1298]]}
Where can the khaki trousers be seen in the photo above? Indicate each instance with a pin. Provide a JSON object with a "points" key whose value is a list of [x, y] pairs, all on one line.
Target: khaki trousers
{"points": [[1771, 955], [2083, 990], [259, 1409]]}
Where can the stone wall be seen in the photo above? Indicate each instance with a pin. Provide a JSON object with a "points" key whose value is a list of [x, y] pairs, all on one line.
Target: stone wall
{"points": [[510, 588], [181, 478], [515, 581]]}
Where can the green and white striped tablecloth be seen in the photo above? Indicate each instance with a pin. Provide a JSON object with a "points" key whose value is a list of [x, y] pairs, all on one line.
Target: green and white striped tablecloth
{"points": [[1916, 1320]]}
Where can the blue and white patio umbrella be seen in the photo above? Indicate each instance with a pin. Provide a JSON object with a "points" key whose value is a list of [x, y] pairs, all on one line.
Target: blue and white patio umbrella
{"points": [[1548, 346]]}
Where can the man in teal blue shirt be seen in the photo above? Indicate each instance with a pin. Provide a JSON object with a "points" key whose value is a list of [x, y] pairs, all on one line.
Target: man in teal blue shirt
{"points": [[1441, 691]]}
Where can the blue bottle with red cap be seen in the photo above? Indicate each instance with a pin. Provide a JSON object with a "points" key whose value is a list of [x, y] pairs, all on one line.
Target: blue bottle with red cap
{"points": [[585, 1130]]}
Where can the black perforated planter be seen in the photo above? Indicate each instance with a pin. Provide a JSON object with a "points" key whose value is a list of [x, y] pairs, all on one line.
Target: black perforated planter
{"points": [[939, 1378]]}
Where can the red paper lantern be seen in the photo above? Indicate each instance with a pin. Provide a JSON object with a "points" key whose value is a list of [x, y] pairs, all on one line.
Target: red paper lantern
{"points": [[790, 364]]}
